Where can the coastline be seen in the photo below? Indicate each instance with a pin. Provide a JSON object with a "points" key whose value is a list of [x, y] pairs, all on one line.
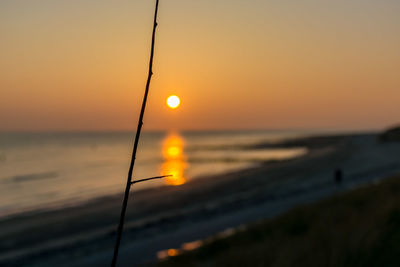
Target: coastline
{"points": [[40, 172], [84, 234]]}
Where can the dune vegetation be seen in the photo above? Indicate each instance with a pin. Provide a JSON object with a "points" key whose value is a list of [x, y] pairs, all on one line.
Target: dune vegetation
{"points": [[391, 135], [356, 228]]}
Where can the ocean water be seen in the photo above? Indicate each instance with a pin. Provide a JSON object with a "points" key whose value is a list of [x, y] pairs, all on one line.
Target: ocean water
{"points": [[48, 170]]}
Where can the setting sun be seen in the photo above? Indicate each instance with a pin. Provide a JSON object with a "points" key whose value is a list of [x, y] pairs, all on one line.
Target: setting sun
{"points": [[173, 101]]}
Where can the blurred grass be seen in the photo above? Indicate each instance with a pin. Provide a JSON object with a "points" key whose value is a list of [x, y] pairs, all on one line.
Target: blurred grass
{"points": [[357, 228]]}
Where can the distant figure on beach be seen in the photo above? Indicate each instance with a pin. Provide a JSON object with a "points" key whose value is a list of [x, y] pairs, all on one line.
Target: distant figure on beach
{"points": [[338, 176]]}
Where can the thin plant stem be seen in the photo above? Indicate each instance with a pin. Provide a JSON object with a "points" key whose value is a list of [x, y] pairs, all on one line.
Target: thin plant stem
{"points": [[149, 179], [135, 145]]}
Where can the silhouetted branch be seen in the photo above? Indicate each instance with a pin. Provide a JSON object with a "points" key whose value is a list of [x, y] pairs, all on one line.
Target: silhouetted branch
{"points": [[135, 145], [152, 178]]}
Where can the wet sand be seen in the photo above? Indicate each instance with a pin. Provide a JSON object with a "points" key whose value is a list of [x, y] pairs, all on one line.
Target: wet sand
{"points": [[161, 218]]}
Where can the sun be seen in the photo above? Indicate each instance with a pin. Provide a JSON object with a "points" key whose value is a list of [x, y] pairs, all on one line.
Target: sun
{"points": [[173, 101]]}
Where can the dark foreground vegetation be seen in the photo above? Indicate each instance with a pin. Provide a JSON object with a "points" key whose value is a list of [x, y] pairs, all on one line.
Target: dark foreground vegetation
{"points": [[391, 135], [357, 228]]}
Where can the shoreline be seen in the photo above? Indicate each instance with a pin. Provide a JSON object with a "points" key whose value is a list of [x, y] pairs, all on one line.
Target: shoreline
{"points": [[66, 204], [55, 199], [291, 143], [92, 226]]}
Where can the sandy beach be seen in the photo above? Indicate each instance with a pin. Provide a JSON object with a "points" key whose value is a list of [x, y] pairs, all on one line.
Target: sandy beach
{"points": [[167, 217], [208, 116]]}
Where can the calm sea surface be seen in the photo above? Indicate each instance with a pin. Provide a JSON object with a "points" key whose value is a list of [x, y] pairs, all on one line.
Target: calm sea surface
{"points": [[46, 170]]}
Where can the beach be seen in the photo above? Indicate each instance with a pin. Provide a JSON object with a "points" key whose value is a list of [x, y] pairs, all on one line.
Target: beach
{"points": [[166, 217], [133, 132]]}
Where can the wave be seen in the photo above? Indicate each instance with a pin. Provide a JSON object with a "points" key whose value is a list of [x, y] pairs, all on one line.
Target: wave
{"points": [[32, 177]]}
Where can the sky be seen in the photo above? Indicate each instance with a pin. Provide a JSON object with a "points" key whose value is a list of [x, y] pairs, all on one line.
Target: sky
{"points": [[254, 64]]}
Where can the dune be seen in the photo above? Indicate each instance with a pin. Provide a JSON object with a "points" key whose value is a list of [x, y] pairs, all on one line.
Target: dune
{"points": [[356, 228]]}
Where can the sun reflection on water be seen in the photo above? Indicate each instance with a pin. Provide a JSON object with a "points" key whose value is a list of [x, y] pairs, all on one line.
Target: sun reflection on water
{"points": [[174, 160]]}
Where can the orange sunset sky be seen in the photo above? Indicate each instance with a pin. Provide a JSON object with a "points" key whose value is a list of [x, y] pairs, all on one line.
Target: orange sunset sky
{"points": [[82, 65]]}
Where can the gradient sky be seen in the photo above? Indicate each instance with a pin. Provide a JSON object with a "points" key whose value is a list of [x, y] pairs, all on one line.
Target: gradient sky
{"points": [[82, 65]]}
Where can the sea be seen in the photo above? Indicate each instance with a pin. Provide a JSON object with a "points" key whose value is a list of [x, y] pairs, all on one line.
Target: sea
{"points": [[40, 171]]}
